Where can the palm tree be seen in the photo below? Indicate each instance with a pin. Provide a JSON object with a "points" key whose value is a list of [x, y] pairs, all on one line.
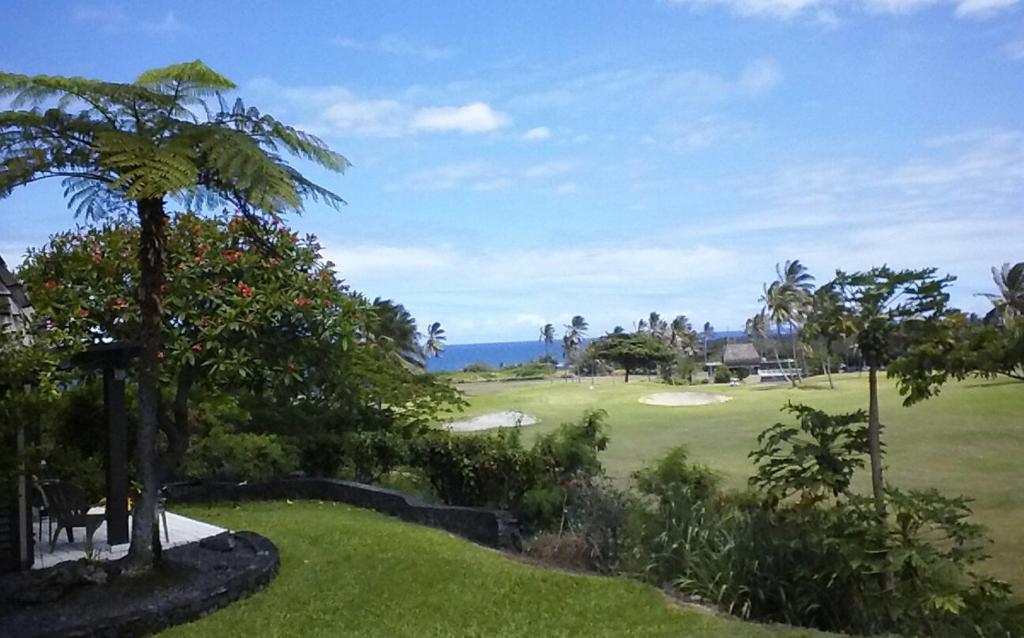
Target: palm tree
{"points": [[1008, 304], [575, 331], [434, 345], [657, 326], [708, 334], [775, 310], [392, 327], [127, 148], [682, 336], [798, 284], [547, 335]]}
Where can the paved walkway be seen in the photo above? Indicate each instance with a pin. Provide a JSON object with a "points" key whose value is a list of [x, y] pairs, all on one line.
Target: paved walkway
{"points": [[180, 528]]}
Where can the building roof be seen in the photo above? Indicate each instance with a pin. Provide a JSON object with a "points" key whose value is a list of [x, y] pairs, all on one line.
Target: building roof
{"points": [[10, 286], [740, 354]]}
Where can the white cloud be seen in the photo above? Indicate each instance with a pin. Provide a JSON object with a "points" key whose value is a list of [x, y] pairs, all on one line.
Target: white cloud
{"points": [[449, 176], [395, 45], [982, 8], [568, 188], [705, 131], [768, 8], [538, 133], [477, 117], [114, 19], [547, 169], [1014, 50], [335, 110], [824, 11]]}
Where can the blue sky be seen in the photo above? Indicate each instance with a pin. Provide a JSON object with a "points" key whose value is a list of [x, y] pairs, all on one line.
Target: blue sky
{"points": [[519, 163]]}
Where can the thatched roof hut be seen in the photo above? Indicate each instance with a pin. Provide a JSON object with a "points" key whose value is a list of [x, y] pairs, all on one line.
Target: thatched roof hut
{"points": [[742, 355]]}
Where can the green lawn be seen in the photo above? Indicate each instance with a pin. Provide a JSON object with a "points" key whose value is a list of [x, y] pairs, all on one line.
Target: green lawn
{"points": [[351, 572], [969, 440]]}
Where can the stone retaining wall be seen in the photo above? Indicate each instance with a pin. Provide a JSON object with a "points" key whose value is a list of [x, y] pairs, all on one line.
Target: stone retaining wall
{"points": [[494, 528]]}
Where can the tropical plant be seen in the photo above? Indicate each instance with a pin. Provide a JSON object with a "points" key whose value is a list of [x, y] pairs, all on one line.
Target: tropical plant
{"points": [[392, 328], [889, 313], [547, 336], [1008, 303], [127, 148], [434, 345], [575, 331], [786, 300], [708, 333], [631, 351], [827, 323]]}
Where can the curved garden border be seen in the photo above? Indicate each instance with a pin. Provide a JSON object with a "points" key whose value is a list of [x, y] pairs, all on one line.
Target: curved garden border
{"points": [[494, 528], [206, 576]]}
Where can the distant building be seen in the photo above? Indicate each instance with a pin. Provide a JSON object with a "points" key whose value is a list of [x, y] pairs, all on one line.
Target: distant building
{"points": [[15, 307], [741, 355]]}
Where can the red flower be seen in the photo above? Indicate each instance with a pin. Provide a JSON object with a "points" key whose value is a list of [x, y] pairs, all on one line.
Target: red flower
{"points": [[291, 366], [196, 228], [244, 289], [198, 259], [327, 303], [567, 485], [301, 301], [97, 258], [232, 255], [160, 355], [83, 313], [50, 284], [197, 347], [120, 304]]}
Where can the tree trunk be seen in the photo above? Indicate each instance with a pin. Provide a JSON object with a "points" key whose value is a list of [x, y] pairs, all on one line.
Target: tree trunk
{"points": [[796, 358], [627, 376], [778, 359], [875, 441], [828, 364], [152, 242]]}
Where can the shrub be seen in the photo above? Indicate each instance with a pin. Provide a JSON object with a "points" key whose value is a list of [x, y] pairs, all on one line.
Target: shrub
{"points": [[477, 367], [238, 456], [497, 470], [806, 551], [723, 374]]}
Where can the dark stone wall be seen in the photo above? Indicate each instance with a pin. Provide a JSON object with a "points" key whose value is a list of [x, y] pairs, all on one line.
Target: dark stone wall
{"points": [[494, 528]]}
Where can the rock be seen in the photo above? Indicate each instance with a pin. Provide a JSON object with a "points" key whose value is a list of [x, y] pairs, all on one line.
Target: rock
{"points": [[220, 543]]}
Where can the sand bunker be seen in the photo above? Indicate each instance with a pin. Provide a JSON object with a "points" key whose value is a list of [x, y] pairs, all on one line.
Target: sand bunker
{"points": [[506, 419], [684, 398]]}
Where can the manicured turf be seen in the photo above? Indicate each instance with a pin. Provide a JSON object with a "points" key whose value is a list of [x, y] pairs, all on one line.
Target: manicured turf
{"points": [[350, 572], [969, 440]]}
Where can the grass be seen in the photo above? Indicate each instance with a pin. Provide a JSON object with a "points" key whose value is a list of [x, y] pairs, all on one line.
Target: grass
{"points": [[350, 572], [969, 440]]}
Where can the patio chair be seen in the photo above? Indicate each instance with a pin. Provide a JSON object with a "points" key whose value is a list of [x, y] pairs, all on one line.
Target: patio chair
{"points": [[69, 506]]}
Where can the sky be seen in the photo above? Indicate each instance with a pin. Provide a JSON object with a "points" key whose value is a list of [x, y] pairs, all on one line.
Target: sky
{"points": [[516, 164]]}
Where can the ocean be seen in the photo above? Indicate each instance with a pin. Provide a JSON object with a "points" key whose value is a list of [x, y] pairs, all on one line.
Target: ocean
{"points": [[457, 356]]}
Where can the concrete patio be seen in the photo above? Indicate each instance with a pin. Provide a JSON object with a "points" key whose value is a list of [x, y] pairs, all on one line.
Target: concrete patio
{"points": [[181, 530]]}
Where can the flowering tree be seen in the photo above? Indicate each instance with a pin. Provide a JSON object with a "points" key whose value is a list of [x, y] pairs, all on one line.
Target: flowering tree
{"points": [[273, 319]]}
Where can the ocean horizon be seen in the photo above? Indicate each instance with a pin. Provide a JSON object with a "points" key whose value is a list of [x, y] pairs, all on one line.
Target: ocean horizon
{"points": [[457, 356]]}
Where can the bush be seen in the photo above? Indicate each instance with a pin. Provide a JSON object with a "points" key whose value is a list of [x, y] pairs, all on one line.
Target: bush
{"points": [[723, 374], [806, 551], [238, 456], [497, 470], [477, 367]]}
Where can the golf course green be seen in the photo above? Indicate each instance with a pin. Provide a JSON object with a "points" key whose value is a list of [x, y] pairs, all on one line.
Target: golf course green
{"points": [[968, 440]]}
